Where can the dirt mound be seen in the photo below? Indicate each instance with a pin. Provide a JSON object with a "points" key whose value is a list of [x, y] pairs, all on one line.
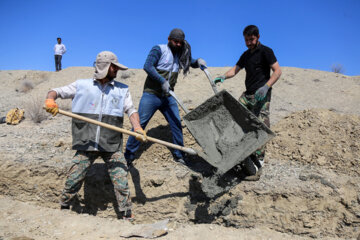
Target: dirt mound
{"points": [[291, 197], [319, 137]]}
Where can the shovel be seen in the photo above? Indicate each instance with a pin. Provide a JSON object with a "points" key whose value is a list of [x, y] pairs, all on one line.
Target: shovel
{"points": [[208, 75], [213, 86], [179, 102], [105, 125]]}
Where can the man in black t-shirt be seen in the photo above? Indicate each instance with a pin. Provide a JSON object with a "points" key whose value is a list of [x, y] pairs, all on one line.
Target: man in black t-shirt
{"points": [[257, 61]]}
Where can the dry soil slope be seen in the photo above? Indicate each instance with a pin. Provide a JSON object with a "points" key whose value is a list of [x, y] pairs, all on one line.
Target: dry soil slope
{"points": [[310, 186]]}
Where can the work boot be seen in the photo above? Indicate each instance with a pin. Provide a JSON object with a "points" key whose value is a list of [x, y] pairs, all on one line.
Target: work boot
{"points": [[129, 164], [255, 177], [64, 207], [129, 157], [250, 171], [180, 160], [248, 167], [127, 216]]}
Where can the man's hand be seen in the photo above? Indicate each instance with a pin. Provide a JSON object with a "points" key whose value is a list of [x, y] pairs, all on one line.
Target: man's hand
{"points": [[219, 79], [201, 62], [260, 94], [165, 87], [141, 131], [51, 106]]}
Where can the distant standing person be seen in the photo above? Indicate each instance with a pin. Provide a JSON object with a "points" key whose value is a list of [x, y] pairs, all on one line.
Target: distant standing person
{"points": [[257, 61], [104, 99], [59, 50], [162, 66]]}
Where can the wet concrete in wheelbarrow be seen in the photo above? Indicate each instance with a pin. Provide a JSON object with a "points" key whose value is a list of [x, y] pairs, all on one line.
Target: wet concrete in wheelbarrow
{"points": [[228, 133]]}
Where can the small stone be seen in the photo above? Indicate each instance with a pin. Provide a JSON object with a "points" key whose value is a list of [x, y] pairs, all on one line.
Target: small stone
{"points": [[156, 182], [59, 143], [321, 160]]}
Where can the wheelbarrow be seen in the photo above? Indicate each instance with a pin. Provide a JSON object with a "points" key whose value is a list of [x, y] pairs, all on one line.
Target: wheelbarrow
{"points": [[225, 129]]}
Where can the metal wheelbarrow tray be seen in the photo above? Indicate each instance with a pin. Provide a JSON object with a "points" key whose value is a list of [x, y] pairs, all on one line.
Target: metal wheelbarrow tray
{"points": [[226, 130]]}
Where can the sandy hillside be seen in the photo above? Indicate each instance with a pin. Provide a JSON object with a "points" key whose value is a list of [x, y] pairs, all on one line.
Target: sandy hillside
{"points": [[309, 189]]}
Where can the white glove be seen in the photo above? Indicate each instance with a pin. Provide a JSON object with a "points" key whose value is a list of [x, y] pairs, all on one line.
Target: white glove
{"points": [[201, 62], [165, 87]]}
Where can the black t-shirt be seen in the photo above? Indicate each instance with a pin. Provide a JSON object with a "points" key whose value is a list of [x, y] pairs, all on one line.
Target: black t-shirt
{"points": [[257, 65]]}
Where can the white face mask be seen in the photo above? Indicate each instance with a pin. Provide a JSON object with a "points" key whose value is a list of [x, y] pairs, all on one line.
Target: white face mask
{"points": [[101, 69]]}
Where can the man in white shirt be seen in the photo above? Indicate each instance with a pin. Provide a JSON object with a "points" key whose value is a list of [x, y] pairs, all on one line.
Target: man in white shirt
{"points": [[59, 50], [106, 100]]}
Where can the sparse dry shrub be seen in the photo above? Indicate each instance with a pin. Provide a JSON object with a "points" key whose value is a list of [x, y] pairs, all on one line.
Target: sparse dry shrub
{"points": [[26, 86], [337, 68], [34, 109]]}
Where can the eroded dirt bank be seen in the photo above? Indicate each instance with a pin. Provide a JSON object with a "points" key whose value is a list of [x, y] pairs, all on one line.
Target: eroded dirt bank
{"points": [[298, 194], [309, 188]]}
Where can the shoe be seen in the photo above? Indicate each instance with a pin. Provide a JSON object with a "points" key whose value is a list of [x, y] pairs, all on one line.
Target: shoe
{"points": [[129, 164], [127, 216], [129, 157], [180, 160], [249, 167], [250, 171], [255, 177], [64, 207]]}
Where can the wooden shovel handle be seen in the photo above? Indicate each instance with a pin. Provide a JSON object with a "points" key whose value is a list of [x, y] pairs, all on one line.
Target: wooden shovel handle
{"points": [[131, 133]]}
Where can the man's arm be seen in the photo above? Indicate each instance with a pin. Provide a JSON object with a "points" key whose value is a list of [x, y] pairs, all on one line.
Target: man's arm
{"points": [[51, 95], [62, 92], [134, 117], [275, 75], [197, 63], [50, 104], [229, 74], [150, 63], [232, 72], [135, 120], [260, 94]]}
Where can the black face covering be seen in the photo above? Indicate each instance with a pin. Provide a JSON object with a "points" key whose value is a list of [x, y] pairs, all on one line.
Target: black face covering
{"points": [[175, 49], [185, 58], [184, 54]]}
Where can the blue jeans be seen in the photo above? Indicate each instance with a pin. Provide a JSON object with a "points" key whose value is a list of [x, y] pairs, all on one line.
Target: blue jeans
{"points": [[149, 103]]}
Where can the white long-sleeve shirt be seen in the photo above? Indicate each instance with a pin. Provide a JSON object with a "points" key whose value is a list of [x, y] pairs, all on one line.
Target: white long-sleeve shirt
{"points": [[69, 91], [59, 49]]}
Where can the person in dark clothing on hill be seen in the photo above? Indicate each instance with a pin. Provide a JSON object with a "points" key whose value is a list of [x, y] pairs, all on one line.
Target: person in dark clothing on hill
{"points": [[258, 60]]}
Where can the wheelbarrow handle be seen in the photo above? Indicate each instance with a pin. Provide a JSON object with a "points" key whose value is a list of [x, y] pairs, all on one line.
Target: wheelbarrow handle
{"points": [[128, 132], [179, 102], [208, 75]]}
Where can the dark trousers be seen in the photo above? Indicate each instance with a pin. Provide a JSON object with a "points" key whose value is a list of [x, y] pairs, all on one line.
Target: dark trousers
{"points": [[58, 62], [149, 104]]}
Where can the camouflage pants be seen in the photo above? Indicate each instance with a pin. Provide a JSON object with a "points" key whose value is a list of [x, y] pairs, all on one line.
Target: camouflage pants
{"points": [[117, 169], [261, 109]]}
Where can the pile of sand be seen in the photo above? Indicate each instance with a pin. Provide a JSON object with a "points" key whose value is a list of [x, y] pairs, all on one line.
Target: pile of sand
{"points": [[319, 137]]}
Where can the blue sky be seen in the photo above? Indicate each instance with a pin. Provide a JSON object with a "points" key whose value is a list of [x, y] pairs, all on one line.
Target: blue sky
{"points": [[307, 34]]}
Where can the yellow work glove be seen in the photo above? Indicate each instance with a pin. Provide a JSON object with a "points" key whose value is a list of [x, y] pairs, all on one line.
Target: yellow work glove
{"points": [[51, 106], [14, 116], [141, 131]]}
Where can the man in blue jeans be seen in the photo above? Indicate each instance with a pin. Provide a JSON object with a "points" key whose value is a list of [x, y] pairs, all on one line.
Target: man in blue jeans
{"points": [[162, 66]]}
